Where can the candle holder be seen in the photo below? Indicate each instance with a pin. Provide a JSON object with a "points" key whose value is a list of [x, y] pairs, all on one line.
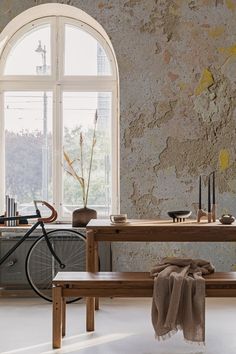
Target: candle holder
{"points": [[213, 212], [210, 214], [201, 214]]}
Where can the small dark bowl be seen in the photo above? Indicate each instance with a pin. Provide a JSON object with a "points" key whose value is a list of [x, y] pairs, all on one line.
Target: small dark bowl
{"points": [[227, 219], [179, 214]]}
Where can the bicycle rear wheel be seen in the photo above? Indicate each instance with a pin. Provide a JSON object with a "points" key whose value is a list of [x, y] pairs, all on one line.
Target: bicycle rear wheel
{"points": [[41, 267]]}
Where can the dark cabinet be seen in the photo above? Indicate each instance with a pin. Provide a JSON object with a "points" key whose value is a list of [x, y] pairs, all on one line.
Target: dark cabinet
{"points": [[12, 271]]}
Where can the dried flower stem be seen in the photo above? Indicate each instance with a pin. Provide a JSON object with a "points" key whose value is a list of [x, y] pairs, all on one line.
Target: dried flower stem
{"points": [[82, 167], [71, 170], [91, 155]]}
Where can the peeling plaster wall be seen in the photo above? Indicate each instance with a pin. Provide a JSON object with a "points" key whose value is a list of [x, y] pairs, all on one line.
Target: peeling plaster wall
{"points": [[177, 63]]}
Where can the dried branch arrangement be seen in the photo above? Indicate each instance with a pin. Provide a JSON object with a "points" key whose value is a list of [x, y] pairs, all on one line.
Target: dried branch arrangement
{"points": [[70, 168]]}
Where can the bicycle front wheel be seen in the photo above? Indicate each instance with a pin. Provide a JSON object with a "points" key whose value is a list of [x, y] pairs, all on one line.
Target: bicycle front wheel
{"points": [[41, 267]]}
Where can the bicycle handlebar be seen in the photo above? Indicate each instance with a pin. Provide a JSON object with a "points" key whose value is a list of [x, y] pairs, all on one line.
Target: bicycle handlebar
{"points": [[53, 215]]}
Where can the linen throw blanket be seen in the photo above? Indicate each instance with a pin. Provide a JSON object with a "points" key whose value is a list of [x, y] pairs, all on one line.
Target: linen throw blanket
{"points": [[179, 298]]}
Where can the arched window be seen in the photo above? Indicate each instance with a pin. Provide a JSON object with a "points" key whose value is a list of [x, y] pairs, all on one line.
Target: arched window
{"points": [[57, 72]]}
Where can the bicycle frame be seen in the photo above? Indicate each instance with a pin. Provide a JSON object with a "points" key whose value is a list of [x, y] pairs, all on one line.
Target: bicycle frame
{"points": [[39, 222]]}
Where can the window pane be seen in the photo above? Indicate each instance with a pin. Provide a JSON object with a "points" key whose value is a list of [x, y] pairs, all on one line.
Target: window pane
{"points": [[28, 138], [31, 55], [83, 54], [78, 117]]}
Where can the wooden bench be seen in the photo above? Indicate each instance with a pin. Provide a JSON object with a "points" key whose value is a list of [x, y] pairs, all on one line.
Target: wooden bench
{"points": [[117, 284]]}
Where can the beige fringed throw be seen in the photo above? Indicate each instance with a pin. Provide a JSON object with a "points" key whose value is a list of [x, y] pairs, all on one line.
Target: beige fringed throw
{"points": [[179, 298]]}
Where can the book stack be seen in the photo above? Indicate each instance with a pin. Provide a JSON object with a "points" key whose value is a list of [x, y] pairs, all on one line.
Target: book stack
{"points": [[11, 210]]}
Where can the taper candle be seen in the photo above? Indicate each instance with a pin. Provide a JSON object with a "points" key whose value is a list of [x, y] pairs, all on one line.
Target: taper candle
{"points": [[200, 193], [209, 194], [213, 188]]}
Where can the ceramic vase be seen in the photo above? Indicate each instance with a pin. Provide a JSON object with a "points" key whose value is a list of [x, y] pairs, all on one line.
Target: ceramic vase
{"points": [[82, 216]]}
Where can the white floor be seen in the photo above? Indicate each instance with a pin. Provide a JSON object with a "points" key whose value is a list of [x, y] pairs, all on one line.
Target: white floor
{"points": [[122, 326]]}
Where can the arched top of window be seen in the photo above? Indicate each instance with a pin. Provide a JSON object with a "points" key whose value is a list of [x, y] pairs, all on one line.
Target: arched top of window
{"points": [[84, 55], [83, 48], [23, 55]]}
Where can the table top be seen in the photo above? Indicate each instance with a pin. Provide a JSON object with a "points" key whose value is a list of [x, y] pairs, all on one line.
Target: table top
{"points": [[161, 230], [143, 223]]}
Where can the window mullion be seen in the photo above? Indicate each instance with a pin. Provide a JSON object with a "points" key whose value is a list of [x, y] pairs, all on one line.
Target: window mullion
{"points": [[57, 122], [60, 49], [115, 153], [2, 155], [54, 53], [57, 148]]}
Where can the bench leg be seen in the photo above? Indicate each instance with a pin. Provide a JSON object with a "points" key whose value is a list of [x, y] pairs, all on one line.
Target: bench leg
{"points": [[90, 308], [57, 317], [63, 317], [97, 303]]}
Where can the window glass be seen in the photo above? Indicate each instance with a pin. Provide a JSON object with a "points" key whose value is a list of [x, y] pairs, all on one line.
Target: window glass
{"points": [[45, 117], [79, 110], [83, 54], [28, 146], [31, 54]]}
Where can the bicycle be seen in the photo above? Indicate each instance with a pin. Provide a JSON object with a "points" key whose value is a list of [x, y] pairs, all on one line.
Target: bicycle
{"points": [[53, 251]]}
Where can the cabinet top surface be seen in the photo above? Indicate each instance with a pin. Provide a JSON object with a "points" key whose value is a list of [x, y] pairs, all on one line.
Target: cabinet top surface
{"points": [[49, 227]]}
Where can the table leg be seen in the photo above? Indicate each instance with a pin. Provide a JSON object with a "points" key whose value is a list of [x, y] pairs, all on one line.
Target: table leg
{"points": [[63, 317], [97, 270], [91, 267], [90, 251], [57, 317]]}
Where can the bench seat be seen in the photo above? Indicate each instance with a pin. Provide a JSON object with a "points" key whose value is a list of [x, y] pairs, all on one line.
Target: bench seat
{"points": [[133, 284], [117, 284]]}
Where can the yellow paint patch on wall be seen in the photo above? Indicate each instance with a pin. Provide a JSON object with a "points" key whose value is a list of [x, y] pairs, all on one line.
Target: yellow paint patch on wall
{"points": [[231, 4], [230, 51], [206, 81], [216, 31], [182, 85], [224, 159]]}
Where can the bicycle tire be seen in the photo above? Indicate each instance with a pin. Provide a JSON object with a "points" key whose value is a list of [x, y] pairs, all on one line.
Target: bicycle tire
{"points": [[41, 267]]}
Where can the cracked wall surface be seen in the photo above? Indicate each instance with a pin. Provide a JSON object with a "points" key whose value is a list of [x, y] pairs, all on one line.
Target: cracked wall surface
{"points": [[177, 65]]}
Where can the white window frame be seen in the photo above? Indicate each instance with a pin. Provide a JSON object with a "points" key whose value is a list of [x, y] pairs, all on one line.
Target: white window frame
{"points": [[57, 83]]}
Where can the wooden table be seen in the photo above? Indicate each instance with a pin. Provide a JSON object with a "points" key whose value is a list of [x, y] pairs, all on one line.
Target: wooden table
{"points": [[93, 283], [151, 231]]}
